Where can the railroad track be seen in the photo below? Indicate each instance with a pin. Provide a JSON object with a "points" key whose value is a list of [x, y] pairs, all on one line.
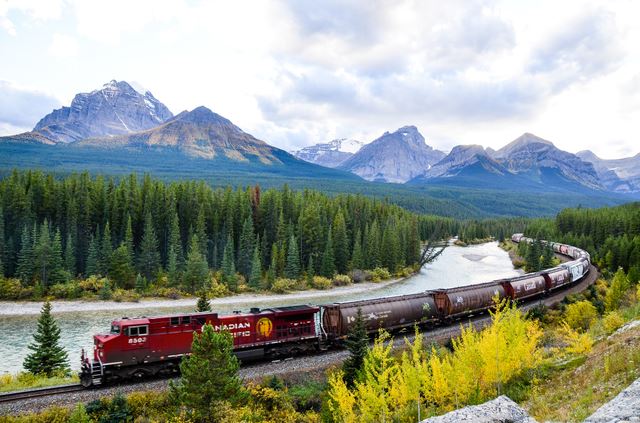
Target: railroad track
{"points": [[39, 392]]}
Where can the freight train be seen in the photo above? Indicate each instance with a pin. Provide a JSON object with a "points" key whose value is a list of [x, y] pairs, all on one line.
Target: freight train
{"points": [[145, 346]]}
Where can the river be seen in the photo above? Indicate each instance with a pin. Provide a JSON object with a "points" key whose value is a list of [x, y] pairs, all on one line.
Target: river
{"points": [[457, 266]]}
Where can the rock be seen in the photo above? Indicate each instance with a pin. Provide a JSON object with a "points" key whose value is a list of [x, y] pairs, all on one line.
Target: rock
{"points": [[501, 409], [626, 327], [623, 408]]}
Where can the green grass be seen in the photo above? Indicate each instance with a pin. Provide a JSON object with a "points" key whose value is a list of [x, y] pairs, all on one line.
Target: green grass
{"points": [[24, 380]]}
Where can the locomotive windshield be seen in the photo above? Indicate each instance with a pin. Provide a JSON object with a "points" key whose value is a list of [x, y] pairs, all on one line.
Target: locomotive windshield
{"points": [[115, 329]]}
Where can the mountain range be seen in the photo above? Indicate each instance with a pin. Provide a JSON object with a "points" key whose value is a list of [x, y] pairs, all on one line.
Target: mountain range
{"points": [[118, 129]]}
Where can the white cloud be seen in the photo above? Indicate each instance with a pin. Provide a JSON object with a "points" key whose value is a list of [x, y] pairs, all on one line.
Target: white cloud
{"points": [[63, 46], [296, 73], [39, 10], [21, 108]]}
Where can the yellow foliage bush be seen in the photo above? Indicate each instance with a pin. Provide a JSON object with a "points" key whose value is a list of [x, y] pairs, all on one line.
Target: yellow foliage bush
{"points": [[341, 280], [319, 282], [282, 285], [576, 343], [379, 274], [392, 388], [580, 315], [612, 321], [617, 290]]}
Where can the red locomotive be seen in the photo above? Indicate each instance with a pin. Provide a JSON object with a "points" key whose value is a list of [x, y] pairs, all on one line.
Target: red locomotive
{"points": [[149, 346]]}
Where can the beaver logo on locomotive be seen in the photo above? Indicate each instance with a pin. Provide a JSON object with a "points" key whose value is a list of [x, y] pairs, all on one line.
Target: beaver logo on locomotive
{"points": [[265, 327]]}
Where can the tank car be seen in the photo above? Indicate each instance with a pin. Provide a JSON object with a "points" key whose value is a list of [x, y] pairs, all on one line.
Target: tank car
{"points": [[527, 286], [389, 313], [465, 300]]}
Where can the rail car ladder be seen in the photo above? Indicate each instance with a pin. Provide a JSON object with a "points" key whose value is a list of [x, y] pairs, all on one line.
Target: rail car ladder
{"points": [[96, 373]]}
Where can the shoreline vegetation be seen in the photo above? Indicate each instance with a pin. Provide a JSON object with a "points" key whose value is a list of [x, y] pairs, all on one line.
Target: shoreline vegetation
{"points": [[64, 305]]}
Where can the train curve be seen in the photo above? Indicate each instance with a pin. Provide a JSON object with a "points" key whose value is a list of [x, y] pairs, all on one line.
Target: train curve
{"points": [[140, 347]]}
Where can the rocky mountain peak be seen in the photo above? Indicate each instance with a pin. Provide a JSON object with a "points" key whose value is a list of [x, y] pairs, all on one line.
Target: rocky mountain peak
{"points": [[202, 115], [525, 142], [116, 108], [394, 157]]}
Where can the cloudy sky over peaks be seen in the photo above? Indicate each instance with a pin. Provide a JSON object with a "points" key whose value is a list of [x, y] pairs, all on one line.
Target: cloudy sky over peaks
{"points": [[300, 72]]}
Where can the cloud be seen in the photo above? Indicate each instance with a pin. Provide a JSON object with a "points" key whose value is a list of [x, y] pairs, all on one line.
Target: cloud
{"points": [[588, 46], [22, 108], [39, 10], [63, 46]]}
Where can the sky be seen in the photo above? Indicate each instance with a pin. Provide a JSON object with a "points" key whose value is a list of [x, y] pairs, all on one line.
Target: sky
{"points": [[295, 73]]}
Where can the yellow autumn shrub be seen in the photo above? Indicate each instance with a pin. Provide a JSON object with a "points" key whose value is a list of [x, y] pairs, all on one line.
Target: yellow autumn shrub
{"points": [[576, 343], [395, 388], [580, 315]]}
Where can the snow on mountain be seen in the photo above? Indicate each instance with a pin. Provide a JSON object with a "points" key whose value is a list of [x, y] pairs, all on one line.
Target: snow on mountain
{"points": [[330, 154]]}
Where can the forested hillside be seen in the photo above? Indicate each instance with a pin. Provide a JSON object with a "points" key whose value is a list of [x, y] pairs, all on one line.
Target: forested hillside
{"points": [[611, 235], [55, 230]]}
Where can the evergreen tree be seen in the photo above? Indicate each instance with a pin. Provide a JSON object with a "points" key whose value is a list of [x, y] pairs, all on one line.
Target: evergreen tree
{"points": [[209, 376], [25, 257], [311, 271], [340, 243], [357, 258], [128, 236], [246, 248], [140, 284], [391, 247], [256, 270], [121, 270], [201, 232], [3, 251], [149, 257], [372, 239], [43, 255], [92, 257], [547, 258], [228, 265], [174, 251], [328, 267], [106, 249], [47, 356], [70, 256], [172, 267], [292, 269], [58, 273], [196, 271], [357, 343], [203, 302], [105, 291]]}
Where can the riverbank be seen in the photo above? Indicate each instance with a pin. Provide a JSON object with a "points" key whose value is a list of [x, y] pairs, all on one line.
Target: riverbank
{"points": [[511, 248], [21, 308]]}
